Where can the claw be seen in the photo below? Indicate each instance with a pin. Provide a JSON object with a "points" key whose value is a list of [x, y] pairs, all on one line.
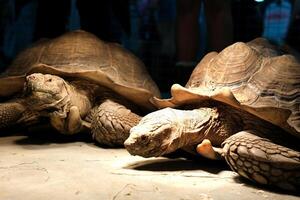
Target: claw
{"points": [[206, 149]]}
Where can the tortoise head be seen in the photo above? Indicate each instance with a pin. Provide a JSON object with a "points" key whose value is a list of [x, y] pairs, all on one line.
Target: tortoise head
{"points": [[46, 91], [154, 134]]}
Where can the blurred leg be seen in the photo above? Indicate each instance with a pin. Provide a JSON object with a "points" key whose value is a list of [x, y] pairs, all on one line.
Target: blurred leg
{"points": [[219, 23], [187, 38]]}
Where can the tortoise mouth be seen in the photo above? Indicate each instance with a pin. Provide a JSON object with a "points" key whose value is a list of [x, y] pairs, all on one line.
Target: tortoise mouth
{"points": [[30, 90], [144, 147], [49, 106], [40, 94]]}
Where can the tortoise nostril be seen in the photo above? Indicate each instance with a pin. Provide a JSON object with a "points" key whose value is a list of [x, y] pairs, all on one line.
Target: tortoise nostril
{"points": [[31, 77], [143, 137]]}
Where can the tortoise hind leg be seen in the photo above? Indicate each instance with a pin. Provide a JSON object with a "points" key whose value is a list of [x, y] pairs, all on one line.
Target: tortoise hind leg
{"points": [[111, 122], [263, 161]]}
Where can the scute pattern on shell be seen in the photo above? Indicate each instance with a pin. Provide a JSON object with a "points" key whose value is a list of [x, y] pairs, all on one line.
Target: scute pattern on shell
{"points": [[225, 69]]}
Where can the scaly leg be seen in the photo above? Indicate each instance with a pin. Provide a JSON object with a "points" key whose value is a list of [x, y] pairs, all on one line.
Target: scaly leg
{"points": [[263, 161], [12, 113], [111, 122]]}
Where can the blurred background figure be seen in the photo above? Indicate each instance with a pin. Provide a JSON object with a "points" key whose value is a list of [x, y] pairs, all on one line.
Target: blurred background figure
{"points": [[292, 42], [276, 19], [170, 36]]}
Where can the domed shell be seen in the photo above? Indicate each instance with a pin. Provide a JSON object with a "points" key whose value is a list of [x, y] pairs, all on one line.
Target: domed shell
{"points": [[249, 77], [80, 54]]}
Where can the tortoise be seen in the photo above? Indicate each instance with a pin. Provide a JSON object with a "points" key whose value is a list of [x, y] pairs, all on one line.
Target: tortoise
{"points": [[79, 83], [241, 104]]}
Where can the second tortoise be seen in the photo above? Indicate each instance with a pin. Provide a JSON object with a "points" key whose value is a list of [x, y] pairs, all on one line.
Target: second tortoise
{"points": [[241, 104]]}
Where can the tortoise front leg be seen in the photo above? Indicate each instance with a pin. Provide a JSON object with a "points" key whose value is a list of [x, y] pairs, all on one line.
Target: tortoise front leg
{"points": [[111, 122], [71, 124], [263, 161], [15, 112]]}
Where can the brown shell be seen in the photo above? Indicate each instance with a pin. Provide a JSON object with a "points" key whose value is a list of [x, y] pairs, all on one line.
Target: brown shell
{"points": [[250, 76], [80, 54]]}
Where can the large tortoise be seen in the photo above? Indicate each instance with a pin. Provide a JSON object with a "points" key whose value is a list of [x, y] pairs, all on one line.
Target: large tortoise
{"points": [[79, 82], [242, 104]]}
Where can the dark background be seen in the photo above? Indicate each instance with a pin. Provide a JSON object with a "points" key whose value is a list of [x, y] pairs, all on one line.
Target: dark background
{"points": [[170, 36]]}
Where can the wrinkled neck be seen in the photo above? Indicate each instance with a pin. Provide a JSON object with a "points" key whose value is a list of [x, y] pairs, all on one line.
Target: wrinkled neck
{"points": [[194, 121], [215, 124], [192, 126]]}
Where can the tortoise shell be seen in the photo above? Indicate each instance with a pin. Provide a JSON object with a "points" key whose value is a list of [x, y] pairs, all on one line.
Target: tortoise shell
{"points": [[80, 54], [249, 76]]}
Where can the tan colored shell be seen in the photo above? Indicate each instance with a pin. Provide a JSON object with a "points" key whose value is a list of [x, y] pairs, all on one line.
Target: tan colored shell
{"points": [[248, 76], [80, 54]]}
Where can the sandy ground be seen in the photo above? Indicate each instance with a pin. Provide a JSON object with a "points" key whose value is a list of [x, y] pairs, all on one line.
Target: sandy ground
{"points": [[53, 167]]}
